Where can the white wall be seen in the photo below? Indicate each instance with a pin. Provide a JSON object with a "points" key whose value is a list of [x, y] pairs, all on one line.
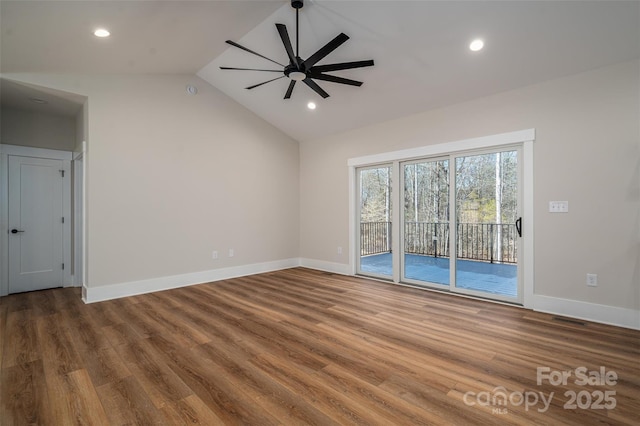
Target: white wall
{"points": [[81, 120], [35, 129], [587, 151], [172, 177]]}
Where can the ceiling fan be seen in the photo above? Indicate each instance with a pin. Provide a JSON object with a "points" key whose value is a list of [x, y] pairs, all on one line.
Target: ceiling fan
{"points": [[305, 70]]}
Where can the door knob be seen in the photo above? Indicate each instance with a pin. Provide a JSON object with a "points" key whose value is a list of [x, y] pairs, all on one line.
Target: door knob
{"points": [[15, 231]]}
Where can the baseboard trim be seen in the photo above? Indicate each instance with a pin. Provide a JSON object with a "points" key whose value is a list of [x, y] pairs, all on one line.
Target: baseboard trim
{"points": [[322, 265], [605, 314], [133, 288]]}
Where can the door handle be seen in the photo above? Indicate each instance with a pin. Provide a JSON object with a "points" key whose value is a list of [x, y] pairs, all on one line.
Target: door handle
{"points": [[519, 226], [15, 231]]}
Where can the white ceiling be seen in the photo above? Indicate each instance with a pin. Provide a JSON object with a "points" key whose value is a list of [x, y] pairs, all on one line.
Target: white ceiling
{"points": [[420, 49], [26, 97], [160, 37]]}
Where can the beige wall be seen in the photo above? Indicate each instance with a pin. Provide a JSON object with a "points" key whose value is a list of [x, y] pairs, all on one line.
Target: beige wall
{"points": [[28, 128], [172, 177], [587, 151]]}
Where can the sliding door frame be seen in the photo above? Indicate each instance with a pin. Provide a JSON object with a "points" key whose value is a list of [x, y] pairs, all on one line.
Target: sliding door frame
{"points": [[523, 138], [403, 278], [453, 221], [358, 213]]}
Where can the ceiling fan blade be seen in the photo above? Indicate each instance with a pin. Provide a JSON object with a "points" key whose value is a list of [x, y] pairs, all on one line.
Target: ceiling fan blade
{"points": [[264, 82], [325, 50], [233, 43], [284, 36], [315, 87], [334, 79], [342, 66], [290, 89], [248, 69]]}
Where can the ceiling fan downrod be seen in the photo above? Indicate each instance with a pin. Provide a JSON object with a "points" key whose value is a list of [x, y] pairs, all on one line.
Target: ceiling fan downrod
{"points": [[295, 71], [297, 5]]}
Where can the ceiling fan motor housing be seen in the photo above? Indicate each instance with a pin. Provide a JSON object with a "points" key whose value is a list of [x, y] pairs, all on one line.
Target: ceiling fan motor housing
{"points": [[293, 68]]}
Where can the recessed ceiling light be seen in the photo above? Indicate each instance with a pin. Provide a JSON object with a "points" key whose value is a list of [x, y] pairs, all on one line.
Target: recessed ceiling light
{"points": [[311, 105], [476, 45], [101, 32], [38, 101]]}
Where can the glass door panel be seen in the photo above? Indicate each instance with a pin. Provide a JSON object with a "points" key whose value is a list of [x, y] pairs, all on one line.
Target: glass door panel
{"points": [[487, 224], [375, 211], [426, 222]]}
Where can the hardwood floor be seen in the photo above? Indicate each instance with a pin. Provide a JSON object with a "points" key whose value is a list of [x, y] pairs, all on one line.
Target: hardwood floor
{"points": [[304, 347]]}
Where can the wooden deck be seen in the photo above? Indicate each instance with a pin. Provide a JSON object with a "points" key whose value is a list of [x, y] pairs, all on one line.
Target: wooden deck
{"points": [[301, 347], [490, 278]]}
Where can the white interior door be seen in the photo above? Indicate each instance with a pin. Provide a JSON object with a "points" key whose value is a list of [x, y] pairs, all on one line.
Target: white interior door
{"points": [[36, 252]]}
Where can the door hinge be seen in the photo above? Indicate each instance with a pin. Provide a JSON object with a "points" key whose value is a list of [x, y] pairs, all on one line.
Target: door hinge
{"points": [[62, 173], [63, 266], [62, 219]]}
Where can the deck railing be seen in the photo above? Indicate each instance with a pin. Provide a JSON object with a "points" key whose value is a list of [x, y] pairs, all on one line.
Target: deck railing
{"points": [[489, 242], [375, 238], [431, 239]]}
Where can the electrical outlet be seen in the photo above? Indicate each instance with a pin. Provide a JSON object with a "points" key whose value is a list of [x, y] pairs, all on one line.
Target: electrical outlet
{"points": [[231, 253], [339, 250], [214, 254], [592, 280]]}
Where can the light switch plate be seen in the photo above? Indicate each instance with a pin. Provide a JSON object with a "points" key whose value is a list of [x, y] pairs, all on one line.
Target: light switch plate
{"points": [[558, 206]]}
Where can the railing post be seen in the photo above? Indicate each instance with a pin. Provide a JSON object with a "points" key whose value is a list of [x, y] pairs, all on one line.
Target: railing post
{"points": [[435, 240], [491, 240]]}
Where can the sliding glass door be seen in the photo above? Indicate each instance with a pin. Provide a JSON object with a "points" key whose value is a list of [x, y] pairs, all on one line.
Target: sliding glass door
{"points": [[460, 223], [375, 220], [448, 217], [487, 224], [426, 222]]}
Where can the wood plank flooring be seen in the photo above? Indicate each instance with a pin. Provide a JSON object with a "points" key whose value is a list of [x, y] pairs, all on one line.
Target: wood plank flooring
{"points": [[301, 347]]}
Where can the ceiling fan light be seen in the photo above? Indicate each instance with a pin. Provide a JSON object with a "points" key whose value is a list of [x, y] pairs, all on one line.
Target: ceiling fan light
{"points": [[297, 75], [311, 105]]}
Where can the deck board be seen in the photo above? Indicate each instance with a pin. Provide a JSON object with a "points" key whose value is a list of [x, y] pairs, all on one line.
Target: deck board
{"points": [[491, 278]]}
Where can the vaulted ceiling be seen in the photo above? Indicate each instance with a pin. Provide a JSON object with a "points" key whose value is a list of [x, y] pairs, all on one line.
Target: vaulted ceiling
{"points": [[420, 49]]}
